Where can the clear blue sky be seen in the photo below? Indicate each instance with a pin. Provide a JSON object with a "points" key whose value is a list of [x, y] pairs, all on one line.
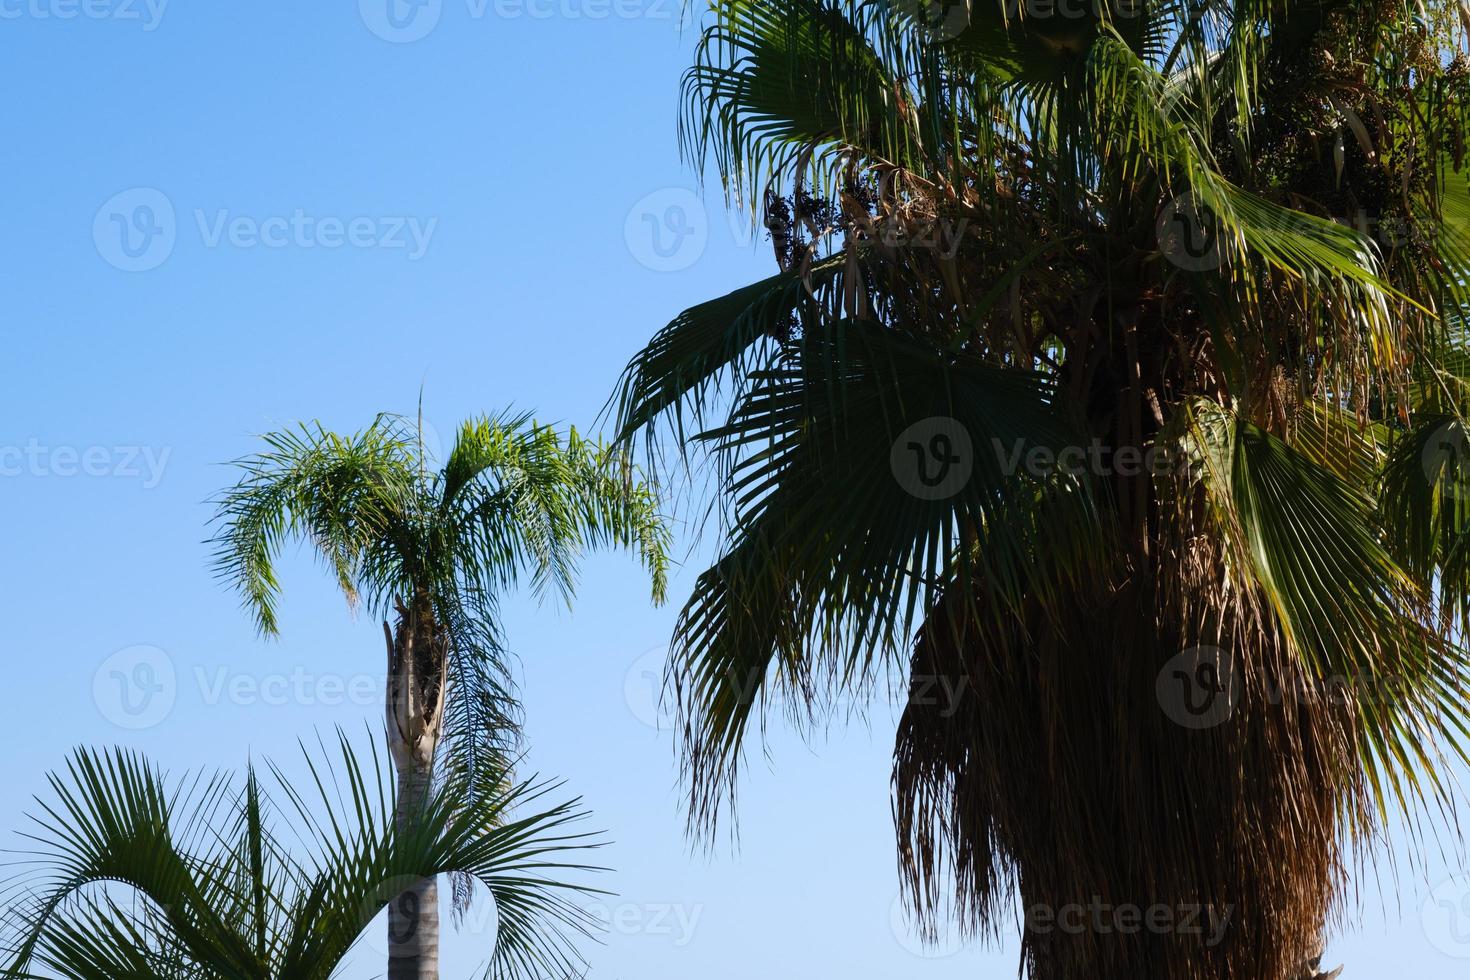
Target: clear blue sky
{"points": [[220, 218]]}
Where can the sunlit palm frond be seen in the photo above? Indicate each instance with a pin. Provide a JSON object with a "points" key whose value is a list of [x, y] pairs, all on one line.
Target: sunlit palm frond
{"points": [[120, 888], [346, 495], [517, 499]]}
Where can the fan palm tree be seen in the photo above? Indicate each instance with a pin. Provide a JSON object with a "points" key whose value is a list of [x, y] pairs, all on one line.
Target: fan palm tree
{"points": [[1112, 384], [131, 875], [434, 549]]}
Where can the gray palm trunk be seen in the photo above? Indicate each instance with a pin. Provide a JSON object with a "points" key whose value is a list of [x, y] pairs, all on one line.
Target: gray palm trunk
{"points": [[415, 720]]}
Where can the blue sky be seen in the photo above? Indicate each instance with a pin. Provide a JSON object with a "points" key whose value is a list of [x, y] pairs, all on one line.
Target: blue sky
{"points": [[223, 218]]}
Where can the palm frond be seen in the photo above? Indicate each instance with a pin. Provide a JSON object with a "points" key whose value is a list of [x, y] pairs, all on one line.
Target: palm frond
{"points": [[836, 539], [215, 908], [345, 495]]}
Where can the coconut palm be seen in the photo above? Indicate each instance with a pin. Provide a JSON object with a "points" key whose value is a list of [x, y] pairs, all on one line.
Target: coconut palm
{"points": [[131, 875], [433, 548], [1112, 385]]}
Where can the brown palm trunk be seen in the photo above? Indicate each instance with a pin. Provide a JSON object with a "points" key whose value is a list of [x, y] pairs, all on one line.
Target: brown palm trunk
{"points": [[415, 715]]}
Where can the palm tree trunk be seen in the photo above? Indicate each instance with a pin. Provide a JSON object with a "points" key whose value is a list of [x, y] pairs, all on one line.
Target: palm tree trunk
{"points": [[413, 917], [415, 716]]}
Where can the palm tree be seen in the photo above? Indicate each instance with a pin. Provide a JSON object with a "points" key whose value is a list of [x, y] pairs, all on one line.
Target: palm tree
{"points": [[435, 549], [131, 875], [1112, 384]]}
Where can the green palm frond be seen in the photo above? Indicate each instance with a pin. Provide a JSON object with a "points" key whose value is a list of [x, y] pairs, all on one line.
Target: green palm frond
{"points": [[1296, 367], [516, 498], [512, 500], [346, 495], [684, 363], [772, 80], [836, 543], [1308, 541], [129, 873], [1426, 509]]}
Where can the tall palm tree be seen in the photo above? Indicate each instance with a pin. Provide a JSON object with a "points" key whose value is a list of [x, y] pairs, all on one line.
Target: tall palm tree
{"points": [[433, 549], [132, 875], [1113, 384]]}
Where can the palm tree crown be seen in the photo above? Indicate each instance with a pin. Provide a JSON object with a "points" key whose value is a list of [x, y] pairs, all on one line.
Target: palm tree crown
{"points": [[512, 499], [436, 547], [132, 875], [1111, 344]]}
